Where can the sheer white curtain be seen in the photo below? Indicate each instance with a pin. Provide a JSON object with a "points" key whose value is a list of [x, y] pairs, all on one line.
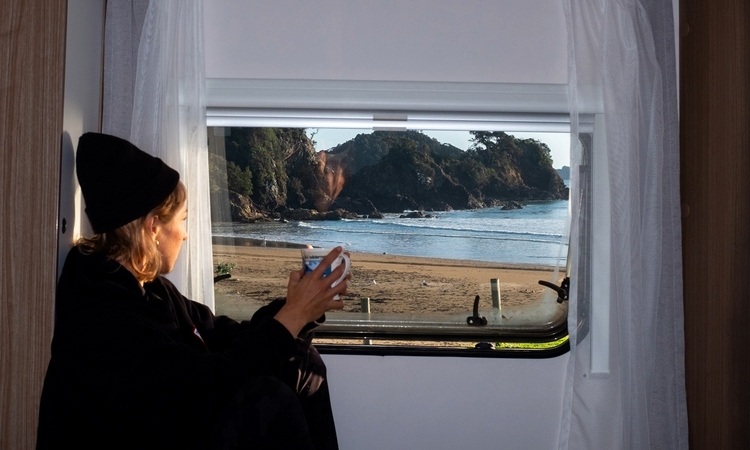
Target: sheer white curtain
{"points": [[156, 98], [622, 66]]}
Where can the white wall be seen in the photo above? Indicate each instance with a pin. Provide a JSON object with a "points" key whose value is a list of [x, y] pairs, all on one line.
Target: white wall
{"points": [[396, 402], [81, 111]]}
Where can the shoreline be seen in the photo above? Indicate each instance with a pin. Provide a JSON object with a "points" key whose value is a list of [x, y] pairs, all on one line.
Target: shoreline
{"points": [[252, 242], [244, 242]]}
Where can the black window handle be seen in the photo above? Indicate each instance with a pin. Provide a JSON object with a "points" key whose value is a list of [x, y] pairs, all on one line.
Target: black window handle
{"points": [[476, 320], [562, 290]]}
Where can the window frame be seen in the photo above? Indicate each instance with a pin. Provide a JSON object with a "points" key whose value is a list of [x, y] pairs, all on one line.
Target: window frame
{"points": [[402, 106]]}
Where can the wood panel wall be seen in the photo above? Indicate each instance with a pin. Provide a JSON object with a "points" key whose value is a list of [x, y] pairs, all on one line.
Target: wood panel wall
{"points": [[715, 165], [32, 44]]}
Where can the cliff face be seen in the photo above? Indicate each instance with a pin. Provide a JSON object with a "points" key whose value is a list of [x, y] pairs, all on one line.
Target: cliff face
{"points": [[416, 176], [407, 178], [382, 172]]}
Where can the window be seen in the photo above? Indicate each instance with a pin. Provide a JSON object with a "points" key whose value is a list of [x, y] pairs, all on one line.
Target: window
{"points": [[408, 69], [432, 218]]}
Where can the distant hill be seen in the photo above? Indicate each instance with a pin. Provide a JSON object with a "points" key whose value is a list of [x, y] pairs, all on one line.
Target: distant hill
{"points": [[564, 172], [419, 173], [368, 149], [277, 171]]}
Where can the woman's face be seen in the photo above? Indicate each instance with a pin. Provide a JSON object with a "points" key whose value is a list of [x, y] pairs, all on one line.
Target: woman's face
{"points": [[170, 236]]}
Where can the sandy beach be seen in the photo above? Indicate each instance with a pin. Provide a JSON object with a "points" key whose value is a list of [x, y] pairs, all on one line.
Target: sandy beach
{"points": [[394, 284]]}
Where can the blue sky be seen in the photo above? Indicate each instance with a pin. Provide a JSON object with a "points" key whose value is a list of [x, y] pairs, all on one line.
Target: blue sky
{"points": [[558, 143]]}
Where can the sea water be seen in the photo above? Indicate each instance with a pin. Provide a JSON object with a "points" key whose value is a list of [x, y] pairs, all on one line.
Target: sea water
{"points": [[533, 235]]}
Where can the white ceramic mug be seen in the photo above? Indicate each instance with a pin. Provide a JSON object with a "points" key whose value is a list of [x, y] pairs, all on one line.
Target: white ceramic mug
{"points": [[311, 258]]}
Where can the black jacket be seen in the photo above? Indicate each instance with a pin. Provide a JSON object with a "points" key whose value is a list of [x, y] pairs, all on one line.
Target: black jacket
{"points": [[144, 367]]}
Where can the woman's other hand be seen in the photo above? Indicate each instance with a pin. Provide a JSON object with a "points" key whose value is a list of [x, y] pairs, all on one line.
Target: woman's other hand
{"points": [[310, 296]]}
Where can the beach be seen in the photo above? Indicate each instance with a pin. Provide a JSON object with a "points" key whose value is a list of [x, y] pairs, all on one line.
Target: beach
{"points": [[394, 284]]}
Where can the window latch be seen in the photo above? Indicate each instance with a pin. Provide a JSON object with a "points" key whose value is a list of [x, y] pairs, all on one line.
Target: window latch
{"points": [[562, 290], [476, 320]]}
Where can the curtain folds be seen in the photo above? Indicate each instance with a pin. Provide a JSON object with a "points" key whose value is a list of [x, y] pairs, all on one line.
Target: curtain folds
{"points": [[167, 113], [622, 68]]}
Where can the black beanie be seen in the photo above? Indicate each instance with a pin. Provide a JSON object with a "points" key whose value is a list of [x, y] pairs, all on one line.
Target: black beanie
{"points": [[120, 182]]}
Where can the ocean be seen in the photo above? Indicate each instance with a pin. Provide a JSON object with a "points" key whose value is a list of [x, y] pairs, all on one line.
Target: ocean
{"points": [[533, 235]]}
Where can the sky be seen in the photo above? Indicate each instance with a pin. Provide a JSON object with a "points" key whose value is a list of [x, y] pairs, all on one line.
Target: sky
{"points": [[558, 143]]}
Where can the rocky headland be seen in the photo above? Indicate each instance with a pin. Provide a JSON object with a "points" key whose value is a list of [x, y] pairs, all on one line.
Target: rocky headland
{"points": [[276, 174]]}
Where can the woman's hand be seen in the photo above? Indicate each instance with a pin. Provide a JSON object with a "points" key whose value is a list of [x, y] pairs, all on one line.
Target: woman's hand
{"points": [[310, 296]]}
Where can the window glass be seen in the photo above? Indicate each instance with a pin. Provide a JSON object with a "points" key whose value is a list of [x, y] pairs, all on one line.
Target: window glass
{"points": [[436, 222]]}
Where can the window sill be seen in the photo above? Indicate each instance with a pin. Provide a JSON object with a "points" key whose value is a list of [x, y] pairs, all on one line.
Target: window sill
{"points": [[440, 328]]}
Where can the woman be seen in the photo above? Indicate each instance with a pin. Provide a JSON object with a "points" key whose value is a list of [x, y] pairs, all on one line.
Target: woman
{"points": [[137, 365]]}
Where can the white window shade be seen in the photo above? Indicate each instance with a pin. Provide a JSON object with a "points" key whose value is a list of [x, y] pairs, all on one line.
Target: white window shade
{"points": [[475, 41], [388, 64]]}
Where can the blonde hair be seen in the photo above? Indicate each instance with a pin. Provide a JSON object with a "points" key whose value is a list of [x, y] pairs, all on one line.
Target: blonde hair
{"points": [[131, 244]]}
